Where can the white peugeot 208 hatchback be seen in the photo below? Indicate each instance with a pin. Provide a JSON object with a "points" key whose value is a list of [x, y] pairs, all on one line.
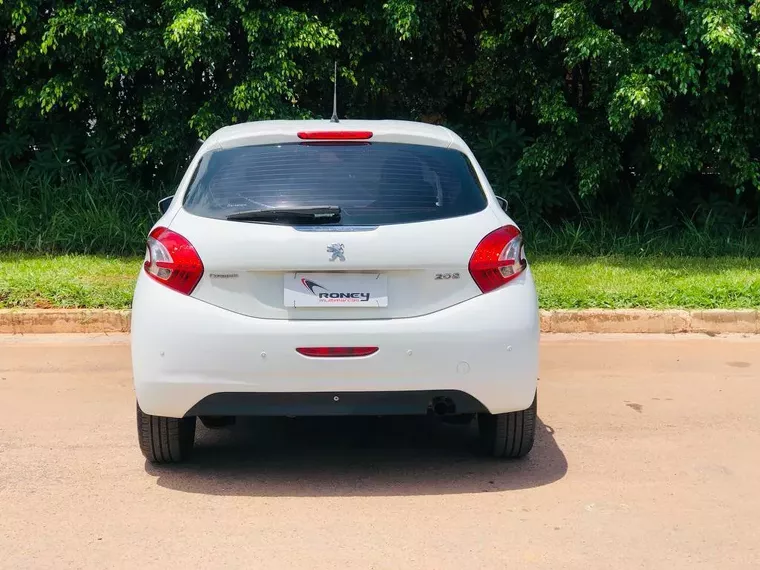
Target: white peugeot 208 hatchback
{"points": [[313, 268]]}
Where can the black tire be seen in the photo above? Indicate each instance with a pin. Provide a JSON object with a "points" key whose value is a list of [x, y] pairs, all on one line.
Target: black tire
{"points": [[509, 435], [165, 440]]}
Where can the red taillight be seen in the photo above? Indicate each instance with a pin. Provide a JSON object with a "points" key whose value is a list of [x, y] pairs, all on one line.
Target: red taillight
{"points": [[335, 135], [498, 259], [173, 261], [336, 351]]}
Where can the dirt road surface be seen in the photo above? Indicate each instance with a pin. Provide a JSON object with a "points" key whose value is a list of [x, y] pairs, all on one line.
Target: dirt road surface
{"points": [[648, 457]]}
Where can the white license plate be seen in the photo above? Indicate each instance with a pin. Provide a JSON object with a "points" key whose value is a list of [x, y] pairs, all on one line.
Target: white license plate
{"points": [[336, 290]]}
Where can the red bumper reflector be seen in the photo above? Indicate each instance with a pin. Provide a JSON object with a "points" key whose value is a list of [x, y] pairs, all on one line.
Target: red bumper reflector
{"points": [[335, 135], [336, 351]]}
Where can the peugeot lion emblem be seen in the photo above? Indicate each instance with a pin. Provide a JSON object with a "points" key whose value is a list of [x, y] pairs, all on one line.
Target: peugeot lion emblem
{"points": [[337, 251]]}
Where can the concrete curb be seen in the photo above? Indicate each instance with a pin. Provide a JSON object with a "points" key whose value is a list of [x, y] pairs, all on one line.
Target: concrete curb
{"points": [[41, 321], [717, 321]]}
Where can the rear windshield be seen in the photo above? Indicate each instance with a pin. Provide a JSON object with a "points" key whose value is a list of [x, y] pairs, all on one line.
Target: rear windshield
{"points": [[372, 183]]}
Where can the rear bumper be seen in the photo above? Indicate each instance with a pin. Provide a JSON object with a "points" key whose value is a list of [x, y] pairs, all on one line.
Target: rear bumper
{"points": [[184, 351]]}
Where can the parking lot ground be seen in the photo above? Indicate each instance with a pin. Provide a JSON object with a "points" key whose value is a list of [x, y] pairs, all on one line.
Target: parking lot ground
{"points": [[648, 456]]}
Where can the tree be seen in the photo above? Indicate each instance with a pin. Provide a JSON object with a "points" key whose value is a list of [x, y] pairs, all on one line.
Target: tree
{"points": [[614, 107]]}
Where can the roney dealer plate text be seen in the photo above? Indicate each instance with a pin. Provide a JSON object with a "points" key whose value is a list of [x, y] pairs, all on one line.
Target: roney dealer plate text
{"points": [[335, 290]]}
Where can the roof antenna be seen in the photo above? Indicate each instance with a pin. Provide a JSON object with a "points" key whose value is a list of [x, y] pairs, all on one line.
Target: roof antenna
{"points": [[334, 118]]}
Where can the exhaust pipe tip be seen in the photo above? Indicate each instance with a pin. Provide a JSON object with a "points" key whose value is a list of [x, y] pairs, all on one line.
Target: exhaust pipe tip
{"points": [[443, 406]]}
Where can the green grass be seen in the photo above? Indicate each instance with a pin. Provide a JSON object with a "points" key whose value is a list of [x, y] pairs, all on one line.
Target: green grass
{"points": [[563, 282], [617, 282], [68, 281]]}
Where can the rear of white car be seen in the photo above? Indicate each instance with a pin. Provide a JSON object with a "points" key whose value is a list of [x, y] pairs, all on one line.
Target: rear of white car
{"points": [[315, 268]]}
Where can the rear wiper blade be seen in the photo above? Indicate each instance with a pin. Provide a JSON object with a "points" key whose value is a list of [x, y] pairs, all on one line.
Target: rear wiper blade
{"points": [[291, 214]]}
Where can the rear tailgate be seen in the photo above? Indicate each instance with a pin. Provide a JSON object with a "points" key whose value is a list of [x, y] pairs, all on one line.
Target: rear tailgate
{"points": [[424, 265], [410, 217]]}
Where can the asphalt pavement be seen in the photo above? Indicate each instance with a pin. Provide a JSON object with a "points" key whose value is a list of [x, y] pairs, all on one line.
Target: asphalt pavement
{"points": [[648, 456]]}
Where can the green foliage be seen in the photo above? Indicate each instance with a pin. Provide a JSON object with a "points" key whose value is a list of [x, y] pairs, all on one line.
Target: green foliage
{"points": [[579, 109], [51, 207], [403, 17]]}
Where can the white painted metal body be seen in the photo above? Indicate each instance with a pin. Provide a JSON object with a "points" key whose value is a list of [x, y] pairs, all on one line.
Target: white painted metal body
{"points": [[234, 333]]}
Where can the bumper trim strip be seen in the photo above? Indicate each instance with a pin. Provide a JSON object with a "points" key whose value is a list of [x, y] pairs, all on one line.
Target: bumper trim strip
{"points": [[406, 402]]}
